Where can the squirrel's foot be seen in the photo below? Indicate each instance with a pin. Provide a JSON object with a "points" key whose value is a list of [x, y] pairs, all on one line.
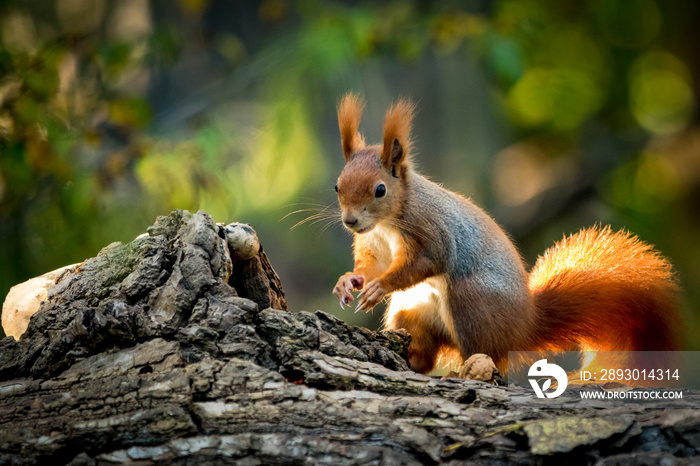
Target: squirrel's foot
{"points": [[346, 283], [371, 295]]}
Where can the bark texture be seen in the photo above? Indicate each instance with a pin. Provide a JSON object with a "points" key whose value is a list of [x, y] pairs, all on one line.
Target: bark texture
{"points": [[157, 352]]}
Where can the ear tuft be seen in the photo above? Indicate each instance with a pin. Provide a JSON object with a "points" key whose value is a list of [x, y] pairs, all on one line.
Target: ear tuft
{"points": [[397, 153], [397, 133], [349, 115]]}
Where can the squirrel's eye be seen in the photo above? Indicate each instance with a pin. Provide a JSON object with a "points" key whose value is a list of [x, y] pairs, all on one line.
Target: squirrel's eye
{"points": [[336, 189], [380, 191]]}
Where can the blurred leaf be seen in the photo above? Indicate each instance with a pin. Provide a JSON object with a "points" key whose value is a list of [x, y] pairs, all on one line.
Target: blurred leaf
{"points": [[131, 112], [41, 82], [661, 96], [13, 164], [646, 184], [115, 56], [165, 44], [628, 23], [168, 177], [27, 110], [558, 98], [6, 62], [193, 6], [506, 58]]}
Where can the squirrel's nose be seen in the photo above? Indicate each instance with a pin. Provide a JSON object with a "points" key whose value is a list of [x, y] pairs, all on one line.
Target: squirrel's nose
{"points": [[350, 221]]}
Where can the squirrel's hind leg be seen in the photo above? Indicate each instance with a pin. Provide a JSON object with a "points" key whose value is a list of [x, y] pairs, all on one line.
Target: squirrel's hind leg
{"points": [[416, 311], [426, 340], [490, 320]]}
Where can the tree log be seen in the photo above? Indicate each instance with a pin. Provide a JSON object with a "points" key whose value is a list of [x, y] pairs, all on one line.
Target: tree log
{"points": [[157, 352]]}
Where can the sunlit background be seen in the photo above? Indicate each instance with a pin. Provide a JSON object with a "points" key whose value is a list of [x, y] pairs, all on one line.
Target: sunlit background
{"points": [[552, 115]]}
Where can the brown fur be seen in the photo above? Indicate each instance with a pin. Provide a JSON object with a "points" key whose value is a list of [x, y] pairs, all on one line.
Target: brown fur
{"points": [[584, 284], [397, 127], [358, 182], [427, 340], [600, 290], [349, 115], [596, 290]]}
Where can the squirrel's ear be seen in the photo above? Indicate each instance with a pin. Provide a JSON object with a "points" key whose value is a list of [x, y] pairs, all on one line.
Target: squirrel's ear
{"points": [[397, 134], [398, 153], [349, 114]]}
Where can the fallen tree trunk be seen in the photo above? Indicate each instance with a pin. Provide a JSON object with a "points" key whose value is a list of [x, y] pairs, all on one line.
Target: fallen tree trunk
{"points": [[156, 352]]}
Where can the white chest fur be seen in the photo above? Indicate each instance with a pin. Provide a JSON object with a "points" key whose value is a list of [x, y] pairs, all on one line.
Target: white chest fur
{"points": [[383, 236], [427, 298]]}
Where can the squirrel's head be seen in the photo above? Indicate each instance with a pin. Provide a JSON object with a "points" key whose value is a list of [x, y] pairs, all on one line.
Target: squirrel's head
{"points": [[372, 185]]}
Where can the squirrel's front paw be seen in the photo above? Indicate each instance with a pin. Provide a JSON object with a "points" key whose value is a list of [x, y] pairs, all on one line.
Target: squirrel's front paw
{"points": [[371, 295], [346, 283]]}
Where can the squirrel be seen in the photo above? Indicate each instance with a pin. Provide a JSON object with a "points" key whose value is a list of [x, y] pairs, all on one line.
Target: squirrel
{"points": [[458, 284]]}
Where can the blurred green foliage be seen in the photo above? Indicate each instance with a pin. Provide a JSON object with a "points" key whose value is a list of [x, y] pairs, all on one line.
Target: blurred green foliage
{"points": [[551, 115]]}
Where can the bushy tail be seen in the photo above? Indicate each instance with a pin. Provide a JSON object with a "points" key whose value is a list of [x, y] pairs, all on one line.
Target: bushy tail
{"points": [[600, 290]]}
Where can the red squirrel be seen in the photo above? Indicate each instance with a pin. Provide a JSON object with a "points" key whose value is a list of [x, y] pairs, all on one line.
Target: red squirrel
{"points": [[457, 282]]}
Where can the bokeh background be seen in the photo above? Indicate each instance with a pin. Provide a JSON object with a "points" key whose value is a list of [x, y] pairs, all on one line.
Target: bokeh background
{"points": [[552, 115]]}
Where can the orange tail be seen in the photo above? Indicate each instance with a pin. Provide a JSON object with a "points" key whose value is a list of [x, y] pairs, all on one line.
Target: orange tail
{"points": [[600, 290]]}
